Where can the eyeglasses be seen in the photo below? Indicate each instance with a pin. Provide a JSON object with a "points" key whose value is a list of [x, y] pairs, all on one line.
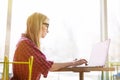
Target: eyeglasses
{"points": [[46, 24], [46, 27]]}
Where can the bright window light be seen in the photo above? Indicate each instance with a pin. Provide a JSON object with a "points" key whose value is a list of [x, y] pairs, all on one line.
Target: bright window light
{"points": [[74, 26]]}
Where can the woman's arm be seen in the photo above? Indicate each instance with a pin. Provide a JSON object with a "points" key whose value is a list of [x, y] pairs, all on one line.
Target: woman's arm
{"points": [[57, 66]]}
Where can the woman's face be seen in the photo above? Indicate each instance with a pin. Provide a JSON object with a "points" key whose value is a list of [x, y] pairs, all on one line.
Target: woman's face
{"points": [[45, 26]]}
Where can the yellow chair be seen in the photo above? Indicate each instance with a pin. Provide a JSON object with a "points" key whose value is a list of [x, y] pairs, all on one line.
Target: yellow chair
{"points": [[4, 68], [116, 65], [5, 75]]}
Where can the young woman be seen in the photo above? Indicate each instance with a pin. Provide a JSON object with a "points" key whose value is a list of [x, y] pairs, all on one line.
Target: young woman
{"points": [[29, 45]]}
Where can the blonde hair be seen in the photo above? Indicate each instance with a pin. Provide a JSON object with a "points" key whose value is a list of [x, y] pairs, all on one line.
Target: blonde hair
{"points": [[34, 27]]}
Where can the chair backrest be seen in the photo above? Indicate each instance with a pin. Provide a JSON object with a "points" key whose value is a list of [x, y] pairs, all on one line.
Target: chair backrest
{"points": [[116, 65], [5, 74], [5, 68]]}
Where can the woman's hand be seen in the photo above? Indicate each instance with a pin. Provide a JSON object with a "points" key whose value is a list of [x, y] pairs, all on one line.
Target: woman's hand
{"points": [[79, 62]]}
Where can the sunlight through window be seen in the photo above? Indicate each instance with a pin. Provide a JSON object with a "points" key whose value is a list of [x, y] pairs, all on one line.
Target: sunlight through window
{"points": [[74, 27]]}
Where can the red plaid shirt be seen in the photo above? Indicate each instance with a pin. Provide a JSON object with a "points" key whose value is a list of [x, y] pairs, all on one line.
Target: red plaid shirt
{"points": [[25, 49]]}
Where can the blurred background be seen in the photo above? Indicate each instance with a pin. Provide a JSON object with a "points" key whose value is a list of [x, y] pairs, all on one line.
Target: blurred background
{"points": [[75, 26]]}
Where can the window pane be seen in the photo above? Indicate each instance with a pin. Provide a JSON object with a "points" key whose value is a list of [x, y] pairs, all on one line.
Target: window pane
{"points": [[114, 28], [114, 32], [3, 20]]}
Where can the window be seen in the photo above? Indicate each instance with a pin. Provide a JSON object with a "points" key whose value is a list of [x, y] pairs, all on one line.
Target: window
{"points": [[74, 27], [114, 29], [3, 19]]}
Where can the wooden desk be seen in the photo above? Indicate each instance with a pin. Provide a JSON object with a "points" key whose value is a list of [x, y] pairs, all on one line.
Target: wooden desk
{"points": [[81, 70]]}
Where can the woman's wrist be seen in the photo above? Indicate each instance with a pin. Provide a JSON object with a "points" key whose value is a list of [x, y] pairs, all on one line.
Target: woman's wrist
{"points": [[73, 64]]}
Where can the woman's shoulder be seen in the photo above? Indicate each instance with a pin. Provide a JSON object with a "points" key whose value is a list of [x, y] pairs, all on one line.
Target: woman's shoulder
{"points": [[25, 40]]}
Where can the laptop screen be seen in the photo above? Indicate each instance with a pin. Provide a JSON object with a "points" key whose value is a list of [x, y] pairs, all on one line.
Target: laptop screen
{"points": [[99, 53]]}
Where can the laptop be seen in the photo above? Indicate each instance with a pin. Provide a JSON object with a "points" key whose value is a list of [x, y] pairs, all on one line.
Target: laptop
{"points": [[99, 54]]}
